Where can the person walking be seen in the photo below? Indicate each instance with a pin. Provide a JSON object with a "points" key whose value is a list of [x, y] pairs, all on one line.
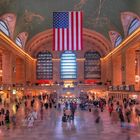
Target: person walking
{"points": [[128, 114], [7, 119], [121, 116], [0, 100], [110, 109], [114, 117], [13, 119], [0, 119], [96, 114], [2, 116]]}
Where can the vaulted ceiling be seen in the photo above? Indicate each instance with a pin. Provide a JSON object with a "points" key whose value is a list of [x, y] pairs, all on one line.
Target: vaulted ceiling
{"points": [[35, 16]]}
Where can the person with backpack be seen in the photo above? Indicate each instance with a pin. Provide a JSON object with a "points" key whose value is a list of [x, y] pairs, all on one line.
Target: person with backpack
{"points": [[64, 117]]}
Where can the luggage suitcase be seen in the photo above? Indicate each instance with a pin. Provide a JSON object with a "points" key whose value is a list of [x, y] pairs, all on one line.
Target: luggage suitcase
{"points": [[89, 109], [64, 119], [71, 117], [97, 120]]}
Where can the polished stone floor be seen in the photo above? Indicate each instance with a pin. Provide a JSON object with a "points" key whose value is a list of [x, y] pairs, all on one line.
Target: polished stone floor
{"points": [[83, 128]]}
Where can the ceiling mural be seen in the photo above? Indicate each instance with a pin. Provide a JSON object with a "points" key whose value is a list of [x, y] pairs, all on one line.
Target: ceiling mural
{"points": [[34, 16]]}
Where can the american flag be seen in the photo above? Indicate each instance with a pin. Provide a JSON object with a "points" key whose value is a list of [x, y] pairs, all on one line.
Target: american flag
{"points": [[67, 31]]}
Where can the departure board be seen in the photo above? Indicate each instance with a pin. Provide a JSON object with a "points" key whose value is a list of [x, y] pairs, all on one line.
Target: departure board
{"points": [[44, 66], [92, 65]]}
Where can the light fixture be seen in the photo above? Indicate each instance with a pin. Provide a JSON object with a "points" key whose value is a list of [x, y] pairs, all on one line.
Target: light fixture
{"points": [[1, 88], [0, 73], [9, 88], [137, 78], [14, 91]]}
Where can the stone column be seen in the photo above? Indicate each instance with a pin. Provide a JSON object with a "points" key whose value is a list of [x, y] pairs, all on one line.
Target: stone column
{"points": [[130, 67], [56, 70], [117, 75], [33, 72], [107, 70], [103, 71], [0, 68], [80, 69], [8, 68], [30, 67], [20, 71], [137, 69], [123, 66]]}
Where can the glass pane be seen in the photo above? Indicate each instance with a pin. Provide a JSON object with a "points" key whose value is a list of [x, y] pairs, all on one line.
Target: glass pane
{"points": [[68, 65], [4, 28], [133, 26], [92, 65], [44, 66], [118, 41], [19, 42]]}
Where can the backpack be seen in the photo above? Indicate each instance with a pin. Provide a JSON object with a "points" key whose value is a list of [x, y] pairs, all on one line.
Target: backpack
{"points": [[64, 119]]}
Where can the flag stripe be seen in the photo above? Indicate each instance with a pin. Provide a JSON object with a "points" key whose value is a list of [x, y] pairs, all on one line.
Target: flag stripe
{"points": [[74, 34], [72, 31], [65, 39], [67, 31], [58, 35], [68, 46], [77, 33], [60, 45], [81, 31], [54, 39], [70, 38]]}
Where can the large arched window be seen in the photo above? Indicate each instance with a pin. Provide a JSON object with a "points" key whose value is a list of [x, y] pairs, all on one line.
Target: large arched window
{"points": [[0, 68], [68, 65], [133, 26], [19, 42], [44, 66], [4, 28], [92, 65], [118, 41]]}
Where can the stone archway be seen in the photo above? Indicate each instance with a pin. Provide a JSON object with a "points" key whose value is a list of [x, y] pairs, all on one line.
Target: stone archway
{"points": [[92, 41], [44, 41], [0, 67]]}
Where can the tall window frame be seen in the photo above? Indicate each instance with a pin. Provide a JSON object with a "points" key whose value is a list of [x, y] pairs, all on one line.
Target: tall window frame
{"points": [[68, 65], [4, 28], [133, 25], [44, 66], [0, 67], [19, 42], [92, 65], [118, 41]]}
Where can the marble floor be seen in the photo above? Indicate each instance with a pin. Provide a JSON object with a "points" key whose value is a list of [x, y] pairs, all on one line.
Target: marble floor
{"points": [[83, 128]]}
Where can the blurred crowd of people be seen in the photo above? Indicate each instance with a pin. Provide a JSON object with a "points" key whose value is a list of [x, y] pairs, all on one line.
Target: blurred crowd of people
{"points": [[119, 110], [34, 106]]}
